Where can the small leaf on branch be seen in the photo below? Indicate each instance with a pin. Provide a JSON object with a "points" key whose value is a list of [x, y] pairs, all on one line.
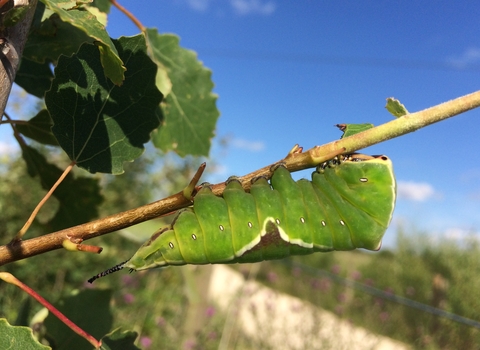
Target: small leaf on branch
{"points": [[395, 107], [352, 129]]}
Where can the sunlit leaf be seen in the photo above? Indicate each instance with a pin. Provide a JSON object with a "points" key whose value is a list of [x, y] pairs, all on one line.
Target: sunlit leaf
{"points": [[18, 337], [190, 107], [395, 107]]}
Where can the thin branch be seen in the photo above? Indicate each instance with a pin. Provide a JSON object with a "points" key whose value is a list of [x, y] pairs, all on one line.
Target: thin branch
{"points": [[294, 161], [9, 278], [29, 222]]}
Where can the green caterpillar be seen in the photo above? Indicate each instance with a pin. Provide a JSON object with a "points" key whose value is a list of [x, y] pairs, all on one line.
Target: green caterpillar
{"points": [[348, 204]]}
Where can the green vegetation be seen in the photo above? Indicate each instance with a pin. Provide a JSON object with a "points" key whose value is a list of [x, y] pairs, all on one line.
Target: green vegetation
{"points": [[437, 275]]}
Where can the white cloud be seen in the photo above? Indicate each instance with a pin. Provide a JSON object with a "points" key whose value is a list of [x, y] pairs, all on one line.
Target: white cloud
{"points": [[241, 7], [245, 7], [414, 191], [7, 149], [457, 233], [470, 56], [252, 146], [198, 5]]}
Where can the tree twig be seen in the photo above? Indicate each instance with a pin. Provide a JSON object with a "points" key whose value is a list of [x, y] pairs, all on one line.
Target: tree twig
{"points": [[294, 161]]}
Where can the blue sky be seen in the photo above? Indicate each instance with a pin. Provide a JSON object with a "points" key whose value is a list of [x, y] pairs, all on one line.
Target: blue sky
{"points": [[287, 71]]}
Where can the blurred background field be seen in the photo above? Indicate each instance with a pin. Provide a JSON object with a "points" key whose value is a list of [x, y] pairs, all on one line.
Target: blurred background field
{"points": [[170, 307]]}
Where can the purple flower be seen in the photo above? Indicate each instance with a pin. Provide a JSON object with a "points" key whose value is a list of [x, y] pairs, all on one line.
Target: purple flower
{"points": [[145, 342], [296, 272], [129, 281], [272, 277], [356, 275], [128, 298], [336, 269], [324, 284], [339, 310], [210, 311], [369, 282], [389, 290], [384, 316], [160, 321], [189, 344]]}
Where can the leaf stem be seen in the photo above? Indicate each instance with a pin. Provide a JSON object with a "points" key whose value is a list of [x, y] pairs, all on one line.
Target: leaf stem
{"points": [[9, 278], [129, 15], [29, 222]]}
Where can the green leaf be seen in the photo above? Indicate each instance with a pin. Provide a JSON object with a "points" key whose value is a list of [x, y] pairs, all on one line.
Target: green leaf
{"points": [[396, 108], [39, 128], [102, 5], [84, 20], [190, 108], [18, 337], [50, 37], [119, 340], [88, 309], [79, 198], [352, 129], [98, 124], [34, 77]]}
